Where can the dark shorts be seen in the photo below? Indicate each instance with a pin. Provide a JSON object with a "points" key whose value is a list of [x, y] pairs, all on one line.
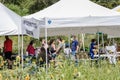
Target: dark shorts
{"points": [[8, 55]]}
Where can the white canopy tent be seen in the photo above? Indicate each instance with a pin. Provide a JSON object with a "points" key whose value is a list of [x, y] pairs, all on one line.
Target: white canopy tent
{"points": [[117, 20], [10, 22], [117, 8], [115, 28], [107, 25], [73, 8], [73, 16]]}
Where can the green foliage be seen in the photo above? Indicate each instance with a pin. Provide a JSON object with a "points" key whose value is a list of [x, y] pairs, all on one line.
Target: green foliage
{"points": [[108, 3], [40, 4], [16, 8], [25, 7]]}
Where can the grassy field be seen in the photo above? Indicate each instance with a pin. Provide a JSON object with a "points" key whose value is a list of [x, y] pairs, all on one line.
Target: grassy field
{"points": [[64, 70]]}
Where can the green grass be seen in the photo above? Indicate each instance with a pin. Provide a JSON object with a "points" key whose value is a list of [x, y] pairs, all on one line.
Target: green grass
{"points": [[65, 71]]}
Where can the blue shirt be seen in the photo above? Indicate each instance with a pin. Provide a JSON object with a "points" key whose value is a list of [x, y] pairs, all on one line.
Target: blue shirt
{"points": [[92, 47], [74, 45]]}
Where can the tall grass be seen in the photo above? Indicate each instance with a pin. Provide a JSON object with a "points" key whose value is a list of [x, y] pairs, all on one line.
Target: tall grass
{"points": [[66, 71]]}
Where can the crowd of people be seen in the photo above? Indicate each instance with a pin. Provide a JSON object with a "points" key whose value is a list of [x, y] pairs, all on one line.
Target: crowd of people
{"points": [[53, 48]]}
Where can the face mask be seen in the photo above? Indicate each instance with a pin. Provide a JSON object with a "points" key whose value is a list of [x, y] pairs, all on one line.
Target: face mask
{"points": [[71, 39]]}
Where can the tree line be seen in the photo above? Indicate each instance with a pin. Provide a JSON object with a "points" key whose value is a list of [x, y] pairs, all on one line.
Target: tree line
{"points": [[25, 7], [107, 3]]}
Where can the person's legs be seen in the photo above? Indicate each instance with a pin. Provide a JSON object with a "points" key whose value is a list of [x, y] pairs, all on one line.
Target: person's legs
{"points": [[73, 55], [92, 55], [114, 59], [9, 59], [31, 58]]}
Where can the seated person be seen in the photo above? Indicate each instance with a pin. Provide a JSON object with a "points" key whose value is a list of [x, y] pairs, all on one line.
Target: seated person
{"points": [[93, 47], [31, 51]]}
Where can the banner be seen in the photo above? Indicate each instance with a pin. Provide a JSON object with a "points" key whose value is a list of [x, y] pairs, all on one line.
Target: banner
{"points": [[31, 27]]}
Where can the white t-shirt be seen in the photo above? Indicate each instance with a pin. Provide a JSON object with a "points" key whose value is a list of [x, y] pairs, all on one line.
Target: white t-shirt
{"points": [[67, 51]]}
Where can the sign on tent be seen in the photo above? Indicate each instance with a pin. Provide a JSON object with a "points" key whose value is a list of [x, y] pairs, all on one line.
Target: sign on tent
{"points": [[31, 27]]}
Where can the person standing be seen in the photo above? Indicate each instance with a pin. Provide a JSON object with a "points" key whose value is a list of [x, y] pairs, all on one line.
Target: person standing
{"points": [[44, 44], [60, 45], [67, 51], [8, 51], [52, 49], [74, 47]]}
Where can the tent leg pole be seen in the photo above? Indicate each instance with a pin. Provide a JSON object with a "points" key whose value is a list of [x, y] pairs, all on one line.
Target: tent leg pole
{"points": [[22, 46], [46, 51], [113, 41], [109, 42], [103, 43], [79, 41], [98, 44], [103, 40], [83, 42], [19, 46], [98, 47], [69, 36], [22, 52], [69, 40]]}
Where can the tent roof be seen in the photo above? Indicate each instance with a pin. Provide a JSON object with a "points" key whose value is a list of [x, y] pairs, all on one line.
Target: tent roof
{"points": [[73, 8], [64, 26], [10, 22], [76, 16], [117, 8]]}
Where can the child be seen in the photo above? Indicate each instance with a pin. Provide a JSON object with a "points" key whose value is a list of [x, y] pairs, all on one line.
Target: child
{"points": [[67, 51]]}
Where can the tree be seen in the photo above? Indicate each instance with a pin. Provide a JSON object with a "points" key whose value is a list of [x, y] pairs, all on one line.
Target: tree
{"points": [[24, 7], [40, 4], [107, 3]]}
